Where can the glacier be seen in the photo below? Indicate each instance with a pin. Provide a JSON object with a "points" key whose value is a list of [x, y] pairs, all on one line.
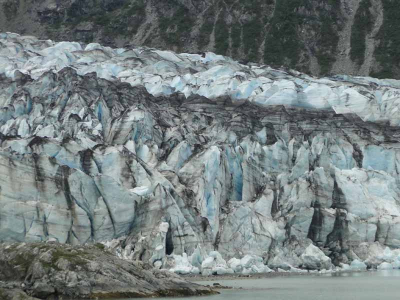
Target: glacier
{"points": [[195, 162]]}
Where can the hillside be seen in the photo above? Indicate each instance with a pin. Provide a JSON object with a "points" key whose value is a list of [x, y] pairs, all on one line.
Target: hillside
{"points": [[355, 37]]}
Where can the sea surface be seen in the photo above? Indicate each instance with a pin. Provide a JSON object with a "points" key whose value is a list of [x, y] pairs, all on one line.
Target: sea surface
{"points": [[372, 285]]}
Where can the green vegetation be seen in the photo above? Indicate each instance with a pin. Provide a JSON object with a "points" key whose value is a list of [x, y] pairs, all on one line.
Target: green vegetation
{"points": [[100, 246], [103, 19], [206, 28], [73, 258], [76, 258], [135, 14], [22, 260], [254, 6], [362, 26], [205, 31], [124, 21], [328, 42], [122, 18], [283, 45], [10, 8], [252, 38], [330, 22], [19, 260], [335, 4], [175, 29], [282, 42], [221, 35], [291, 30], [236, 35], [252, 31], [253, 27], [388, 51]]}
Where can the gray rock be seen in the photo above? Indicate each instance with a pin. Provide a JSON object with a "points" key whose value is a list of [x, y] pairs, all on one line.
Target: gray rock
{"points": [[91, 272], [14, 294]]}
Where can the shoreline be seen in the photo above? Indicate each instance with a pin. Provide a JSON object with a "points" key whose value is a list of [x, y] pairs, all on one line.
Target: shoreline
{"points": [[216, 278], [200, 278]]}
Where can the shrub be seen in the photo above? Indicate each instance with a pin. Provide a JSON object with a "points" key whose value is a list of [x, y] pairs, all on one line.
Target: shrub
{"points": [[362, 26], [10, 8]]}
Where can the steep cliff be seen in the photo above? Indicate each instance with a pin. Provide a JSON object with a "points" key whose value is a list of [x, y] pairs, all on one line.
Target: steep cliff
{"points": [[354, 37], [178, 153]]}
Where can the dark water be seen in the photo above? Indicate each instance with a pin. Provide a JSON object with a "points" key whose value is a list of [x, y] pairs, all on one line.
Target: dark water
{"points": [[379, 285]]}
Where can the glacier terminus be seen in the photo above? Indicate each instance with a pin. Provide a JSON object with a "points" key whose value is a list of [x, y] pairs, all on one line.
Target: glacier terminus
{"points": [[196, 163]]}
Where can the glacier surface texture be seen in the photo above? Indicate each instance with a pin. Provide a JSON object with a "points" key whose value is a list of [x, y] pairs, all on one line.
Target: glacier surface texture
{"points": [[197, 162]]}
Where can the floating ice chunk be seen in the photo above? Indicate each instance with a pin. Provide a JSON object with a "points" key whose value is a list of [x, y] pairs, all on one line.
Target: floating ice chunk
{"points": [[324, 271], [183, 266], [282, 270], [220, 270], [345, 267], [206, 272], [248, 264], [235, 265], [297, 270], [396, 264], [249, 260], [388, 253], [385, 266], [216, 264], [260, 268], [196, 258], [313, 258], [357, 265], [208, 263]]}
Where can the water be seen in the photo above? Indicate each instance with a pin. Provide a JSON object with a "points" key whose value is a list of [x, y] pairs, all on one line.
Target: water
{"points": [[381, 285]]}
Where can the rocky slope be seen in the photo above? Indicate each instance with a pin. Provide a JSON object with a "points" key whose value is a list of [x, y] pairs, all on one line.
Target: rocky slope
{"points": [[357, 37], [55, 271], [186, 154]]}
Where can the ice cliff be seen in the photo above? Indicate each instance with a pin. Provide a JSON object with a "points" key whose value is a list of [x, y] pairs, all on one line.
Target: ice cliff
{"points": [[186, 154]]}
